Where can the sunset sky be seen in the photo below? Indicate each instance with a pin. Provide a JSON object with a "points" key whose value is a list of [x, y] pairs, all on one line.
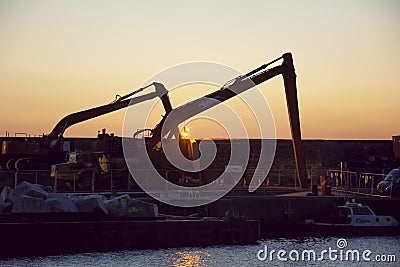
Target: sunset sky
{"points": [[59, 57]]}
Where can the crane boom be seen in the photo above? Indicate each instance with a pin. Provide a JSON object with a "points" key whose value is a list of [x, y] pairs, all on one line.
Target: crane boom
{"points": [[240, 85]]}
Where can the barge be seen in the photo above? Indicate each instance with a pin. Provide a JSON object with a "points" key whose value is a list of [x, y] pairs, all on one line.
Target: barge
{"points": [[55, 234]]}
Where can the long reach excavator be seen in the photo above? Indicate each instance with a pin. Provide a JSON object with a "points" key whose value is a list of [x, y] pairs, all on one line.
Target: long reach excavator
{"points": [[41, 155], [237, 86]]}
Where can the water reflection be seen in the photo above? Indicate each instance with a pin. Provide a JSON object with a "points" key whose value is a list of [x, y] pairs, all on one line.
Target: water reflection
{"points": [[231, 256], [192, 258]]}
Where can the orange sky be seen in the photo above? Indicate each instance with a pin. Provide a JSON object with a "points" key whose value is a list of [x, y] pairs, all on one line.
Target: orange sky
{"points": [[59, 57]]}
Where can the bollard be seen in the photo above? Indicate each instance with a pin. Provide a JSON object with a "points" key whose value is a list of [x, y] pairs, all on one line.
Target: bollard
{"points": [[325, 186]]}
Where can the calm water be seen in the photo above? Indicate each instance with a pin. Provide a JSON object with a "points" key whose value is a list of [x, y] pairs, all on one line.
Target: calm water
{"points": [[386, 248]]}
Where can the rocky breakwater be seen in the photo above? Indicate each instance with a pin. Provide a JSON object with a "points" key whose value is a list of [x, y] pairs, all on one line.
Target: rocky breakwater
{"points": [[29, 198]]}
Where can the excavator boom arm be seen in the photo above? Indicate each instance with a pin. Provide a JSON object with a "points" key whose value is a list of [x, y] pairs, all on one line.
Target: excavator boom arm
{"points": [[123, 102], [80, 116]]}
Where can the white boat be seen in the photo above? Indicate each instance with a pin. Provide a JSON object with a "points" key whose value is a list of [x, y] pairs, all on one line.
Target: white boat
{"points": [[354, 218]]}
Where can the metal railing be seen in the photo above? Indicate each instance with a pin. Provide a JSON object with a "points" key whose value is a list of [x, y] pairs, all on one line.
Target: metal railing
{"points": [[32, 176], [92, 180], [343, 179], [364, 183], [370, 180], [115, 179]]}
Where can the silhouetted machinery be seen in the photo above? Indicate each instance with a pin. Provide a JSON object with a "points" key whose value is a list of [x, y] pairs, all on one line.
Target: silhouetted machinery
{"points": [[42, 154], [31, 155], [103, 163], [233, 88]]}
